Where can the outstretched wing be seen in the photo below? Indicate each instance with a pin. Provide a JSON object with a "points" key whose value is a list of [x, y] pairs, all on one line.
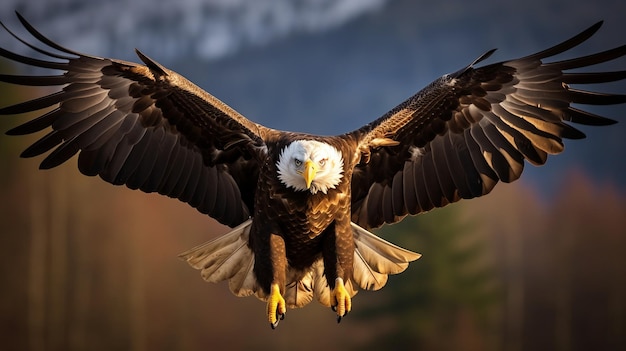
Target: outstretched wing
{"points": [[468, 130], [141, 125]]}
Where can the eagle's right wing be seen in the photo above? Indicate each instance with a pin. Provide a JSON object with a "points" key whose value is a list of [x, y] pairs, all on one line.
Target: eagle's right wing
{"points": [[144, 126]]}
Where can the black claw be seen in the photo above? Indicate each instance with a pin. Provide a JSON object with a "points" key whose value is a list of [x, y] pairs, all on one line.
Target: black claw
{"points": [[338, 319], [334, 308], [279, 317]]}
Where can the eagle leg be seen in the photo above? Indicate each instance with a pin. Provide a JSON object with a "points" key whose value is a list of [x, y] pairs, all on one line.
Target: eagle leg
{"points": [[341, 301], [276, 307]]}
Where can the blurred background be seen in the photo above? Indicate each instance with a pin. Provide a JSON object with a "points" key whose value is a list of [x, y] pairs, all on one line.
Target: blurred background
{"points": [[536, 265]]}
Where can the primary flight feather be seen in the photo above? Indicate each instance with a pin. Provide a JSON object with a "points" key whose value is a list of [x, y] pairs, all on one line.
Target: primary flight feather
{"points": [[301, 205]]}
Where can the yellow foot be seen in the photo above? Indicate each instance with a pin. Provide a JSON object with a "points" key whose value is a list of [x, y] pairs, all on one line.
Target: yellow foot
{"points": [[341, 301], [276, 307]]}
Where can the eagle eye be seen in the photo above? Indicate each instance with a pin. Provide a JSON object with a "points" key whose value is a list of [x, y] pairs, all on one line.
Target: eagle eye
{"points": [[322, 162], [297, 162]]}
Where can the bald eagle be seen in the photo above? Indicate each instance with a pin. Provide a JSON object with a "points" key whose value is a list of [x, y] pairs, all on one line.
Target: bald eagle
{"points": [[300, 205]]}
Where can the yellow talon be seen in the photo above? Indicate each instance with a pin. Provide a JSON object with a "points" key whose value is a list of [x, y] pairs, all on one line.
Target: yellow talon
{"points": [[341, 301], [276, 307]]}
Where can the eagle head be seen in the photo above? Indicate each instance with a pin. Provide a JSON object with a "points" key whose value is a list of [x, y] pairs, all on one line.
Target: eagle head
{"points": [[310, 165]]}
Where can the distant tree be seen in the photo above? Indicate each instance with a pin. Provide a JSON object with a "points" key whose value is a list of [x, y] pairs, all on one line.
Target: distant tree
{"points": [[8, 146], [445, 299], [561, 262]]}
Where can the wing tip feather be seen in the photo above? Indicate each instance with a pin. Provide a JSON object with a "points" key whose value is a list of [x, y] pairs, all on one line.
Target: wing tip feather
{"points": [[154, 66]]}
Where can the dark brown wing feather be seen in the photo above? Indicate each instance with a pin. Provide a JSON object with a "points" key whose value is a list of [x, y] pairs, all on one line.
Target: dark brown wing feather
{"points": [[468, 130], [143, 126]]}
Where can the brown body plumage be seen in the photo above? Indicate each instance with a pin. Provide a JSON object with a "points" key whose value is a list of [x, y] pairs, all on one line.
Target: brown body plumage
{"points": [[300, 227], [312, 226]]}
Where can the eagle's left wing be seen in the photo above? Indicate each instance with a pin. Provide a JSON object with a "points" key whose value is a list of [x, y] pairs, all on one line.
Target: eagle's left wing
{"points": [[466, 131]]}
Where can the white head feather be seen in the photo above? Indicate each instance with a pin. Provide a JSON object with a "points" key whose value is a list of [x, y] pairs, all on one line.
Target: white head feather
{"points": [[328, 160]]}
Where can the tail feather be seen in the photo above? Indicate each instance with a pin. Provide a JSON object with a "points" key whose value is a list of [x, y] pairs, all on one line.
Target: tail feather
{"points": [[365, 276], [230, 258], [375, 259], [227, 257], [300, 288], [244, 283]]}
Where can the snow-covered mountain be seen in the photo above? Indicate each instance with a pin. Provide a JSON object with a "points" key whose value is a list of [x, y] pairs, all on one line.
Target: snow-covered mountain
{"points": [[210, 28]]}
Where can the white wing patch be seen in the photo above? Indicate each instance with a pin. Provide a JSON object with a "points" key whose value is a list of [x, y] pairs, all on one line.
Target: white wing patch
{"points": [[416, 152]]}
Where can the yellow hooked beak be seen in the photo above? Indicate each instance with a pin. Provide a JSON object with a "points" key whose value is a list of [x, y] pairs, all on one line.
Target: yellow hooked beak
{"points": [[310, 169]]}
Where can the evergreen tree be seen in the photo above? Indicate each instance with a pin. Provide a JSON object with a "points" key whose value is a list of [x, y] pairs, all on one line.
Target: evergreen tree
{"points": [[445, 298]]}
